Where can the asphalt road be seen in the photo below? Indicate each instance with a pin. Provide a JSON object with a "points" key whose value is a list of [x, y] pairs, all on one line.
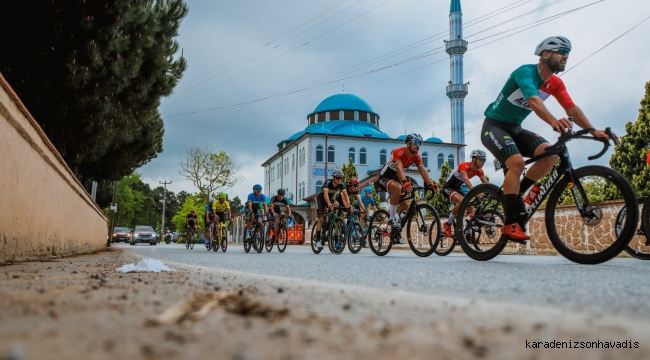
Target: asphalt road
{"points": [[620, 286]]}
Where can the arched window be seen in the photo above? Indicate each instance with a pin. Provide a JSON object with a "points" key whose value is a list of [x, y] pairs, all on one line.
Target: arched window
{"points": [[362, 156], [351, 155], [451, 161], [303, 190], [368, 117], [382, 157], [341, 115], [272, 173], [266, 176], [316, 117], [330, 154], [299, 195], [327, 116], [319, 153], [319, 184], [425, 160], [356, 115], [441, 160], [293, 162], [301, 157]]}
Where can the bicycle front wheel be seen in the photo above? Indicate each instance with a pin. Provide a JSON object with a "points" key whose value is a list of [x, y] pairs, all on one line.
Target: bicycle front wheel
{"points": [[224, 239], [591, 237], [283, 235], [338, 237], [423, 229], [192, 239], [258, 238], [355, 237], [445, 245], [487, 200], [380, 238], [315, 249]]}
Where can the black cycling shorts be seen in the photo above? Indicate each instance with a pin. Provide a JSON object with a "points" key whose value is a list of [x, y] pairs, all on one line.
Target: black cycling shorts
{"points": [[382, 185], [504, 140], [449, 191]]}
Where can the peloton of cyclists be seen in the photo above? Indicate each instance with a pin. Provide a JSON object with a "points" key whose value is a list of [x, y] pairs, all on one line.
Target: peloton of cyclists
{"points": [[256, 201], [452, 188], [502, 134], [393, 180]]}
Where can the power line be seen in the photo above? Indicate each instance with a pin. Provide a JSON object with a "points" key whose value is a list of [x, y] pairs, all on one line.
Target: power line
{"points": [[375, 60], [606, 45]]}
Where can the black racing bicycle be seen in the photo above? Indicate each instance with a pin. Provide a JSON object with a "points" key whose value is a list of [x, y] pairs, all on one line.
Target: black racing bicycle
{"points": [[639, 246], [580, 212], [421, 221], [491, 221]]}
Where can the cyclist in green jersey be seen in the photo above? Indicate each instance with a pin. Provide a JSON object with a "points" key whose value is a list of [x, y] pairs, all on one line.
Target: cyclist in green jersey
{"points": [[502, 134]]}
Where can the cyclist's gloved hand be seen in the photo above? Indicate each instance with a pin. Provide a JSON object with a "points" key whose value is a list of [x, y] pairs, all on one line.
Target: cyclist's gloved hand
{"points": [[434, 186], [407, 186]]}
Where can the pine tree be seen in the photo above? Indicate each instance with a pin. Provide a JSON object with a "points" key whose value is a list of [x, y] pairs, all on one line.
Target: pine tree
{"points": [[630, 157], [440, 201], [349, 171], [92, 73]]}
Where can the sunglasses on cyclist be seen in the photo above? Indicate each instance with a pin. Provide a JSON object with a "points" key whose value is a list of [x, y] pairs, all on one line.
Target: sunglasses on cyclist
{"points": [[338, 177], [483, 159], [562, 51], [416, 142]]}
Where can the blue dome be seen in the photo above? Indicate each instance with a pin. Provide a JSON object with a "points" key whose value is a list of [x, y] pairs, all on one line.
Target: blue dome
{"points": [[341, 127], [343, 102], [401, 137], [433, 140]]}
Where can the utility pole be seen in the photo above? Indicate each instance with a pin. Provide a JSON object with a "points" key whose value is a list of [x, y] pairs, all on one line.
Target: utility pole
{"points": [[164, 201]]}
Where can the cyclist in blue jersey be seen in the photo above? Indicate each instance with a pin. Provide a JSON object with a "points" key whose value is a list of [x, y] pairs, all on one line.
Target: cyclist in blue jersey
{"points": [[368, 203], [256, 201], [502, 134]]}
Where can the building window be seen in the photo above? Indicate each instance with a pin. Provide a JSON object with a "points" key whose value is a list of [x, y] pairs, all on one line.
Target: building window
{"points": [[362, 156], [303, 190], [299, 195], [425, 160], [341, 115], [279, 169], [330, 154], [382, 157], [286, 166], [451, 161], [441, 160], [327, 116], [316, 118], [293, 162], [301, 157], [266, 176], [319, 153], [368, 117], [319, 184], [356, 115], [351, 155]]}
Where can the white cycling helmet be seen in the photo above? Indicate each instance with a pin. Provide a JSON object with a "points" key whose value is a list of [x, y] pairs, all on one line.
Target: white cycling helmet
{"points": [[552, 43], [477, 153], [337, 173]]}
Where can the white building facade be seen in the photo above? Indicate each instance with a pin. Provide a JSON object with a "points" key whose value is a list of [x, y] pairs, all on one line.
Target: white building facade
{"points": [[341, 127]]}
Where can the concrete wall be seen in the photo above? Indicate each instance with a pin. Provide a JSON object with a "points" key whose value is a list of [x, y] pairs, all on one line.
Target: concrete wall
{"points": [[44, 210]]}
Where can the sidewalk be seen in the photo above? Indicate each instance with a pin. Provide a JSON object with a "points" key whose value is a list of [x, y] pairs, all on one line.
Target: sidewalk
{"points": [[80, 308]]}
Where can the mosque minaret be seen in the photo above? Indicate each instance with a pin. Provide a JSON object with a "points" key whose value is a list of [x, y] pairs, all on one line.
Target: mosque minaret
{"points": [[456, 89]]}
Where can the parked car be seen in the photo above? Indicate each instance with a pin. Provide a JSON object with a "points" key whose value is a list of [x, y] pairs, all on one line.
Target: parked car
{"points": [[120, 234], [143, 234]]}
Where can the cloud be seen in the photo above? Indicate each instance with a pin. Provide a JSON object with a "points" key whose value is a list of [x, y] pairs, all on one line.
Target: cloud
{"points": [[608, 86]]}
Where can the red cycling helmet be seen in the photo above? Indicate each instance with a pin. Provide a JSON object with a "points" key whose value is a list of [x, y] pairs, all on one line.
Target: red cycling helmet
{"points": [[353, 182], [647, 159]]}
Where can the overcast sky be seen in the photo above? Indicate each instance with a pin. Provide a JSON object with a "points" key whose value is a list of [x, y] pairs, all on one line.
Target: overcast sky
{"points": [[264, 65]]}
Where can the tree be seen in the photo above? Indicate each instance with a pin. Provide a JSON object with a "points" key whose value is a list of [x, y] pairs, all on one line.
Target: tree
{"points": [[349, 171], [629, 157], [235, 205], [191, 202], [208, 171], [440, 201], [92, 73], [128, 200]]}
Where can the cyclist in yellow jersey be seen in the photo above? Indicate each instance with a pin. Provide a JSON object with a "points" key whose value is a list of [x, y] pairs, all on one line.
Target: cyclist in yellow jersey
{"points": [[220, 207]]}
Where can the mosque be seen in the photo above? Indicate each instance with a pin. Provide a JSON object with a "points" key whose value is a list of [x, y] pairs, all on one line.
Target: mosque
{"points": [[345, 126]]}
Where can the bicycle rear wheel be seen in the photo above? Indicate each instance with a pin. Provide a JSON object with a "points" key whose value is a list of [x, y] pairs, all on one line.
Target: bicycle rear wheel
{"points": [[380, 241], [314, 239], [224, 239], [355, 238], [639, 247], [591, 239], [487, 199], [283, 235], [192, 239], [423, 230], [268, 241], [258, 238], [445, 245], [337, 237], [248, 243]]}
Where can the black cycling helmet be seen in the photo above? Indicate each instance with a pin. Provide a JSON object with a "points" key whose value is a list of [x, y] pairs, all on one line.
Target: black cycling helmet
{"points": [[411, 137], [280, 191]]}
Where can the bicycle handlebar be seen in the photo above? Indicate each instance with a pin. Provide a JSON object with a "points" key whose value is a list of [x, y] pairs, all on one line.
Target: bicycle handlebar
{"points": [[568, 136]]}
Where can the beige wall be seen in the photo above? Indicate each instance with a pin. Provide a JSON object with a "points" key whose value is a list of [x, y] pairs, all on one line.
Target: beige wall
{"points": [[44, 210]]}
